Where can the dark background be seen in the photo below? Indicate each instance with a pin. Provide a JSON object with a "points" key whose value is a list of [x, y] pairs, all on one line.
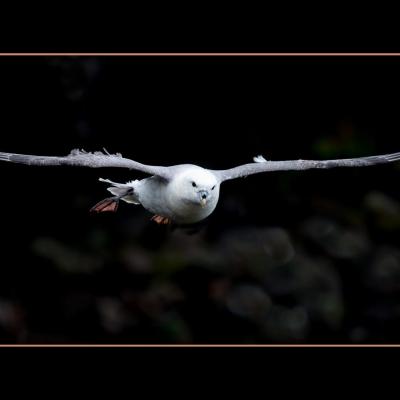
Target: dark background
{"points": [[288, 257]]}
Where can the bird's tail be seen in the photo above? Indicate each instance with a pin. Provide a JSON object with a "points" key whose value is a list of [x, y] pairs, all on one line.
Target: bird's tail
{"points": [[124, 191]]}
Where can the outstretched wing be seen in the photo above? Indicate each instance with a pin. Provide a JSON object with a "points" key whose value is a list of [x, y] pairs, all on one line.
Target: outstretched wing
{"points": [[262, 165], [81, 158]]}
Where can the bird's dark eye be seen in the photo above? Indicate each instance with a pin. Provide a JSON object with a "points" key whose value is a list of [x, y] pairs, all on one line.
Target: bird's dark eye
{"points": [[213, 187], [194, 184]]}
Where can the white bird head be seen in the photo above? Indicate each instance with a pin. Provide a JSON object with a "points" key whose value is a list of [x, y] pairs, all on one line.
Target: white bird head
{"points": [[198, 186]]}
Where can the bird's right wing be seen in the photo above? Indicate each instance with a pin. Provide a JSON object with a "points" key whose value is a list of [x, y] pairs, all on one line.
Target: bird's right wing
{"points": [[262, 165], [81, 158]]}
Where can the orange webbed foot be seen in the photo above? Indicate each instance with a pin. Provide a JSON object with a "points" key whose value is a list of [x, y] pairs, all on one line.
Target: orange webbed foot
{"points": [[161, 220], [106, 205]]}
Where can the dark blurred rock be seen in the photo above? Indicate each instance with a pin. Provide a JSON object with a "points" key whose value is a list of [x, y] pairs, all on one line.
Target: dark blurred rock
{"points": [[113, 315], [248, 301], [159, 297], [12, 322], [181, 250], [337, 241], [219, 289], [136, 259], [285, 325], [384, 272], [358, 334], [66, 258], [174, 327], [312, 283], [384, 209], [254, 251]]}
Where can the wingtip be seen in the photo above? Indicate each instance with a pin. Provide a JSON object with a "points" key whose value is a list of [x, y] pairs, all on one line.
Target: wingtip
{"points": [[4, 157], [393, 157]]}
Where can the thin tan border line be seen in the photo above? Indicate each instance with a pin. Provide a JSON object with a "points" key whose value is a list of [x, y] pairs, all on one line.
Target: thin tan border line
{"points": [[206, 345], [208, 54]]}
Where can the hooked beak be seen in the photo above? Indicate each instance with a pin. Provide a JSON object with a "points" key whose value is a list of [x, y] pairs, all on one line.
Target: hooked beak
{"points": [[203, 196]]}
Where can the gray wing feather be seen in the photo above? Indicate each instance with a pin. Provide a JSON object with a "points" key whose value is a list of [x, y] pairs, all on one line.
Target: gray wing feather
{"points": [[261, 165], [81, 158]]}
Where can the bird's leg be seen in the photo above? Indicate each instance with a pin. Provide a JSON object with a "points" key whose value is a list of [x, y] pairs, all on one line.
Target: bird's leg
{"points": [[161, 220], [110, 204]]}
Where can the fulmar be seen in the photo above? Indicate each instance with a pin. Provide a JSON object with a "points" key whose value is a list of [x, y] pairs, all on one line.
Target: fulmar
{"points": [[182, 194]]}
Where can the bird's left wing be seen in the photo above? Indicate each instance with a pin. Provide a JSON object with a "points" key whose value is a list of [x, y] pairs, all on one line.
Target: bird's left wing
{"points": [[81, 158], [262, 165]]}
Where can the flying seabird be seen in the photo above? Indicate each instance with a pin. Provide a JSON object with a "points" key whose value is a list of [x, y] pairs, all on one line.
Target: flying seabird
{"points": [[183, 194]]}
